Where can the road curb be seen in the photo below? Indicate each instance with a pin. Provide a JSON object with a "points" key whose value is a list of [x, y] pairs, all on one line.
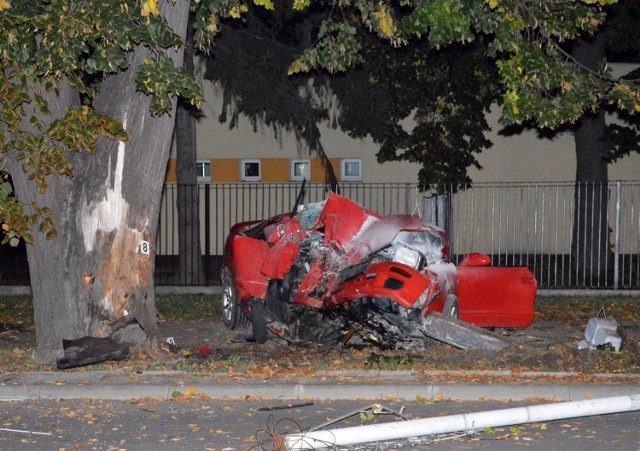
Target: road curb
{"points": [[401, 385]]}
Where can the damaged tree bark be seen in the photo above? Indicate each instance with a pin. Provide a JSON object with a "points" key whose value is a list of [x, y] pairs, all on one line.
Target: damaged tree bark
{"points": [[460, 333]]}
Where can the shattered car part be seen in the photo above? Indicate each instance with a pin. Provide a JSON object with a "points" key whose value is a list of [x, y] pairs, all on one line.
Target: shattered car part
{"points": [[602, 332], [120, 345], [460, 334], [334, 270]]}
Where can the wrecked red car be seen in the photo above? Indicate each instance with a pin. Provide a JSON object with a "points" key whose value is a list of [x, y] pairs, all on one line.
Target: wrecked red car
{"points": [[334, 270]]}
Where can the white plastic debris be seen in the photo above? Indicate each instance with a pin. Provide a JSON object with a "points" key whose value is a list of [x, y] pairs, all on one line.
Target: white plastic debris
{"points": [[602, 331]]}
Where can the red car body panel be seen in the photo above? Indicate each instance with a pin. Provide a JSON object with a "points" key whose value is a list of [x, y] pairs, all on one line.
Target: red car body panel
{"points": [[280, 258], [250, 282], [491, 296], [342, 220], [387, 280], [316, 277]]}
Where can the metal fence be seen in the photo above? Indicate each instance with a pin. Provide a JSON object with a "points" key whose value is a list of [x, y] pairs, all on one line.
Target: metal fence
{"points": [[516, 224], [570, 235], [531, 224], [223, 205]]}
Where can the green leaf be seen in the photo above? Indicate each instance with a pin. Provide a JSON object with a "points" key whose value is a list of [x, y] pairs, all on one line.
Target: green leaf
{"points": [[161, 34], [92, 66]]}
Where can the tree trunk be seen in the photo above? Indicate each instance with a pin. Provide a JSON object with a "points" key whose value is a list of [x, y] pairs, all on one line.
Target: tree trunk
{"points": [[590, 244], [190, 270], [97, 273], [57, 312]]}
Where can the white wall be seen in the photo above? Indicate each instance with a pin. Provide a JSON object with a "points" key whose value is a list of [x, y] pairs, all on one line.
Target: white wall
{"points": [[522, 157], [527, 157]]}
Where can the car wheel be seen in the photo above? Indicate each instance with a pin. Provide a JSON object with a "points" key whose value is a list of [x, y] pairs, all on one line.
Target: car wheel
{"points": [[231, 312], [451, 306], [259, 321]]}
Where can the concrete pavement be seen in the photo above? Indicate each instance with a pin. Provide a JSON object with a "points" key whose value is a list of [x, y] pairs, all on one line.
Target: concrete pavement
{"points": [[366, 385]]}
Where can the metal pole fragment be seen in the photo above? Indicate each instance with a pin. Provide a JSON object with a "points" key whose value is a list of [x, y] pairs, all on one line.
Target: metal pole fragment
{"points": [[463, 422]]}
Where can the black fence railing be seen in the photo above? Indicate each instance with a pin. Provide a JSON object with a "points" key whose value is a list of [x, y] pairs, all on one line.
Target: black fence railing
{"points": [[223, 205], [570, 236], [14, 269]]}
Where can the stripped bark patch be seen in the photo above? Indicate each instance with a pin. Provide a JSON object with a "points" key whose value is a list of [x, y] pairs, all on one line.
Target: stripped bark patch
{"points": [[124, 273]]}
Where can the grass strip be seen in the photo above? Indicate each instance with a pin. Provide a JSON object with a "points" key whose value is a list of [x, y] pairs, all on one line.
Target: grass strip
{"points": [[18, 308]]}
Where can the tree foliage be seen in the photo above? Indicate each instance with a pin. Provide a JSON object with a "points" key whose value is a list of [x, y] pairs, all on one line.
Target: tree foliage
{"points": [[433, 58], [623, 44], [445, 92], [45, 45], [542, 82], [250, 59]]}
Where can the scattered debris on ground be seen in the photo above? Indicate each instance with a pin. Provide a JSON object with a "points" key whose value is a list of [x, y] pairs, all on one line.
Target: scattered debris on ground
{"points": [[602, 332], [84, 351], [460, 334]]}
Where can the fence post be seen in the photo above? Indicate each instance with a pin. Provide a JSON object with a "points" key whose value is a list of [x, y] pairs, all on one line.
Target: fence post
{"points": [[616, 249], [407, 198], [207, 234]]}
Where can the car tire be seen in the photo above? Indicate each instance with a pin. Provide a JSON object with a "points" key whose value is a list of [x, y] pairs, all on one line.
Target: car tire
{"points": [[450, 308], [231, 312], [259, 321]]}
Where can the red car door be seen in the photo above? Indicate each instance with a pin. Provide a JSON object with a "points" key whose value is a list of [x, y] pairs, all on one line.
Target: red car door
{"points": [[491, 296]]}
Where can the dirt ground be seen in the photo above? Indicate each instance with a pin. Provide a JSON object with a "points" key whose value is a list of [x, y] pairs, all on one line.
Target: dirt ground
{"points": [[191, 335], [544, 346]]}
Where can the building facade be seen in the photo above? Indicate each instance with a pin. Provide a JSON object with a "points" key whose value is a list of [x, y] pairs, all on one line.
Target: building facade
{"points": [[243, 154]]}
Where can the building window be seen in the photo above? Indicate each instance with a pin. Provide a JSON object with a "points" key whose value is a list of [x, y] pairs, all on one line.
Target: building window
{"points": [[300, 170], [250, 170], [351, 170], [203, 170]]}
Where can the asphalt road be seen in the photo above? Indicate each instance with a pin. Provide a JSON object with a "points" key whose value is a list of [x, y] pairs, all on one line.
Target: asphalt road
{"points": [[148, 424]]}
